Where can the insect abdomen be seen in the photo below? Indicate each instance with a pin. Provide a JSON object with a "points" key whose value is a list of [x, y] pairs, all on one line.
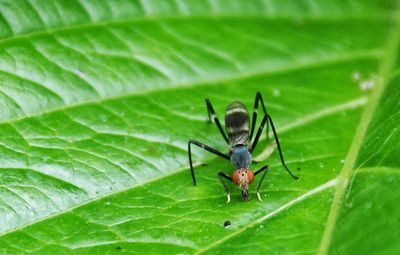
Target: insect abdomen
{"points": [[237, 123]]}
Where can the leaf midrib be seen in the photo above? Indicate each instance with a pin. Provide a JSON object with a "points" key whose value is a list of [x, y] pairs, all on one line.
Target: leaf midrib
{"points": [[388, 62]]}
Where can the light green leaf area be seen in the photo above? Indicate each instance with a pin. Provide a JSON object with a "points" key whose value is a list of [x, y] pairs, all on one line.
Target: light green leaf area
{"points": [[99, 99], [373, 192]]}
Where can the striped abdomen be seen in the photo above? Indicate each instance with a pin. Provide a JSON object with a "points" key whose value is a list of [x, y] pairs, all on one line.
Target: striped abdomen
{"points": [[237, 124]]}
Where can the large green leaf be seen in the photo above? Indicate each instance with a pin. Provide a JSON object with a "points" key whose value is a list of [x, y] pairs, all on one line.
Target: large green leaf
{"points": [[99, 99]]}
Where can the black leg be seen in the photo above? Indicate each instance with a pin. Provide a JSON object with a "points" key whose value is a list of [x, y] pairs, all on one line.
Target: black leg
{"points": [[255, 113], [268, 118], [265, 170], [207, 148], [260, 129], [279, 148], [260, 170], [222, 175], [211, 113]]}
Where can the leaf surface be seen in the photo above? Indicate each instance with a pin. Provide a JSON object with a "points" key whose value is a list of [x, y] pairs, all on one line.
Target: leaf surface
{"points": [[98, 101]]}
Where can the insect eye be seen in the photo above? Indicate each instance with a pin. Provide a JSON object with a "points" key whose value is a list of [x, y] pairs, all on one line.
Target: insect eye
{"points": [[250, 174], [235, 177]]}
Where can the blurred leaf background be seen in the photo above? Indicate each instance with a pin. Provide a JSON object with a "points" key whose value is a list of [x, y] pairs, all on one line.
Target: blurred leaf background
{"points": [[99, 98]]}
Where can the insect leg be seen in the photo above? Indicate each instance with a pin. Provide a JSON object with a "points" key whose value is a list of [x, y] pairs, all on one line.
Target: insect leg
{"points": [[255, 113], [265, 170], [207, 148], [279, 148], [278, 145], [260, 129], [222, 175], [211, 113]]}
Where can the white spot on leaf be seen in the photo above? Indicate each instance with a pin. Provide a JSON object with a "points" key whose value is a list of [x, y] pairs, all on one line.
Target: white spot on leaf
{"points": [[356, 76], [276, 92]]}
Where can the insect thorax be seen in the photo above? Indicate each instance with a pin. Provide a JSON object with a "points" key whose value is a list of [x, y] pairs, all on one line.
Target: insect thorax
{"points": [[241, 157]]}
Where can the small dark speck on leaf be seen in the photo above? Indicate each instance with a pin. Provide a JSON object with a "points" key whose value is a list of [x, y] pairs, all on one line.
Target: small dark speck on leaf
{"points": [[227, 224], [118, 247], [298, 169]]}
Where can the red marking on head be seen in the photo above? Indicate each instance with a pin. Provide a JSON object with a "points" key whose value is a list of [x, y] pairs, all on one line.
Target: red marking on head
{"points": [[250, 175], [242, 175], [235, 177]]}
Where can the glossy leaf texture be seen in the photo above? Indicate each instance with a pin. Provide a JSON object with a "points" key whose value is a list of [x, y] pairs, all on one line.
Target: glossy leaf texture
{"points": [[99, 99]]}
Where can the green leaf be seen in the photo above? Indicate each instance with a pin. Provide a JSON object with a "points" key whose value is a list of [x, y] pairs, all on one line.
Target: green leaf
{"points": [[99, 99]]}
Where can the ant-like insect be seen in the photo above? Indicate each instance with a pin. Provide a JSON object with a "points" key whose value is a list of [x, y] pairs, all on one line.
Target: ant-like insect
{"points": [[240, 144]]}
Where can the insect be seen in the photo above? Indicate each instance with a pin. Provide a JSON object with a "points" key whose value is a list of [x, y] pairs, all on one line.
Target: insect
{"points": [[240, 144]]}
